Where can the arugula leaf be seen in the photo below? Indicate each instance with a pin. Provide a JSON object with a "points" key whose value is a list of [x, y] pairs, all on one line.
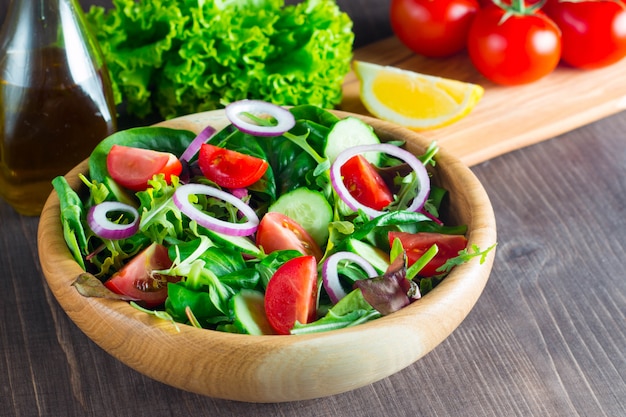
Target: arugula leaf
{"points": [[465, 256], [314, 114], [351, 310], [181, 298]]}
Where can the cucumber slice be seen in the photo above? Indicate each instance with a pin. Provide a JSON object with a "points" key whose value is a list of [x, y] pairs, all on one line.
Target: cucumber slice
{"points": [[350, 132], [120, 194], [309, 209], [378, 258], [242, 243], [248, 308]]}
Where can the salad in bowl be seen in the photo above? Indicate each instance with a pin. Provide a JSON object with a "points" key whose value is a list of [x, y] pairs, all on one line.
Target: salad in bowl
{"points": [[252, 253], [284, 222]]}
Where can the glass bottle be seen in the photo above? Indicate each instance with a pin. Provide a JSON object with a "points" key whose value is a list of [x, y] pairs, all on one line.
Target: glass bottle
{"points": [[56, 102]]}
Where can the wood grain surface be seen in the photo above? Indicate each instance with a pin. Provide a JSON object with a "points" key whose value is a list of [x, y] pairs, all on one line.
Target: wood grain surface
{"points": [[506, 118], [546, 338]]}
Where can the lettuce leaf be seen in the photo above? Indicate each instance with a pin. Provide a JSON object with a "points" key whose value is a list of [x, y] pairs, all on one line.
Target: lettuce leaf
{"points": [[175, 57]]}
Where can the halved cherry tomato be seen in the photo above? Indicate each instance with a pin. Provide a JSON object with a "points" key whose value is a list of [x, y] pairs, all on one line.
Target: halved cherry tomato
{"points": [[279, 232], [137, 279], [133, 167], [228, 168], [365, 184], [416, 244], [291, 294]]}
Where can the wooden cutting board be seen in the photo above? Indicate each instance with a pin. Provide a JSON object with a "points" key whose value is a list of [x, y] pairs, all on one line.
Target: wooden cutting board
{"points": [[506, 118]]}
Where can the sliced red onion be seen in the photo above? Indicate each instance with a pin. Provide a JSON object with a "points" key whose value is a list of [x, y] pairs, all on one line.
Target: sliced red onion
{"points": [[240, 193], [259, 108], [422, 176], [103, 227], [195, 144], [431, 216], [330, 276], [181, 199]]}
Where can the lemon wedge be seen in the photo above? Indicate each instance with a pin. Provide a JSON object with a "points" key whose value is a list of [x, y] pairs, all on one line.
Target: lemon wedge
{"points": [[414, 100]]}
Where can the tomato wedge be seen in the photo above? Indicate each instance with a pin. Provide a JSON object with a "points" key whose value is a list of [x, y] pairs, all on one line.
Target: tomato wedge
{"points": [[132, 168], [365, 184], [137, 279], [228, 168], [291, 294], [279, 232], [416, 244]]}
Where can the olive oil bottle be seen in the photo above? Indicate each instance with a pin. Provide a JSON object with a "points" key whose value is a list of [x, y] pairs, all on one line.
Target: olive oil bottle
{"points": [[56, 102]]}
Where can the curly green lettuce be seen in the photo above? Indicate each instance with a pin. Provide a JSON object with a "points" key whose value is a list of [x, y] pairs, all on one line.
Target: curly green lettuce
{"points": [[175, 57]]}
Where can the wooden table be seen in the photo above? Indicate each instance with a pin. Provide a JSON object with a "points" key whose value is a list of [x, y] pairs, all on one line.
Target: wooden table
{"points": [[547, 337]]}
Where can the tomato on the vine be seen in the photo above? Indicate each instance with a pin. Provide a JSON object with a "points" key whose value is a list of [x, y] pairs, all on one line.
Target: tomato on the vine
{"points": [[432, 28], [514, 44], [593, 31]]}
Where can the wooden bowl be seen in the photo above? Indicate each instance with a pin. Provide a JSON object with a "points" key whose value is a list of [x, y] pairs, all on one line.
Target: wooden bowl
{"points": [[280, 368]]}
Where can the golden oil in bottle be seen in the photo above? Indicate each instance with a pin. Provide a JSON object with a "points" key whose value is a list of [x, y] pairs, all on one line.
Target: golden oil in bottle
{"points": [[56, 102]]}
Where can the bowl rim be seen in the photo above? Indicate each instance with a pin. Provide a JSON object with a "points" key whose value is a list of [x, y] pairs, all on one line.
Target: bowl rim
{"points": [[148, 344]]}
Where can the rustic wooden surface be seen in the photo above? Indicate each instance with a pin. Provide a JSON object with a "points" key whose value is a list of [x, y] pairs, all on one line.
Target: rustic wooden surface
{"points": [[546, 338], [506, 118]]}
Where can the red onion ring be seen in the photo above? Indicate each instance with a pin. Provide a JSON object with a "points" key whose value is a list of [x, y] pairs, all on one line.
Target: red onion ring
{"points": [[103, 227], [240, 193], [181, 200], [259, 108], [195, 144], [330, 276], [422, 176]]}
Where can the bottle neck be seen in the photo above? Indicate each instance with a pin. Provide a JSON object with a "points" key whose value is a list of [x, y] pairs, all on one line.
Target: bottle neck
{"points": [[48, 34], [32, 24]]}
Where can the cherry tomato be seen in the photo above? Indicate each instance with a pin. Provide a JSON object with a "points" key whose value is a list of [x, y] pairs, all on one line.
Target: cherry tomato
{"points": [[365, 184], [279, 232], [433, 28], [228, 168], [518, 49], [593, 31], [291, 294], [133, 167], [416, 244], [137, 280]]}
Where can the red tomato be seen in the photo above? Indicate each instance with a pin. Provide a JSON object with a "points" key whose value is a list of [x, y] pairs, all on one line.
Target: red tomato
{"points": [[291, 294], [517, 50], [593, 32], [416, 244], [230, 169], [434, 28], [279, 232], [133, 167], [137, 280], [365, 184]]}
